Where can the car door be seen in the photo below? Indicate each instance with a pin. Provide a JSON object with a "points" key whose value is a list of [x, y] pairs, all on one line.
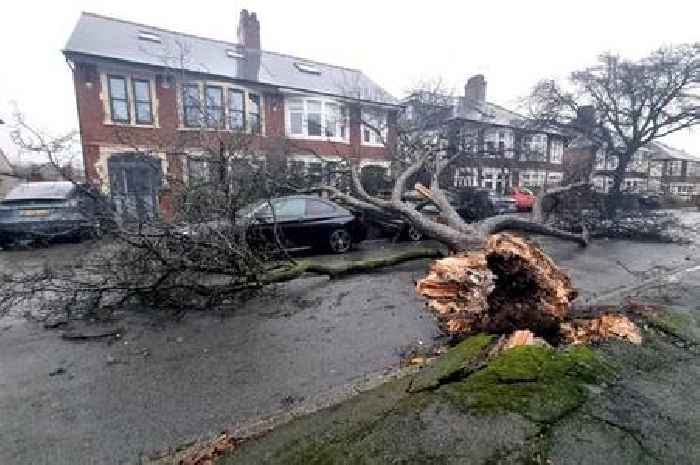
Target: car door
{"points": [[286, 215], [320, 219]]}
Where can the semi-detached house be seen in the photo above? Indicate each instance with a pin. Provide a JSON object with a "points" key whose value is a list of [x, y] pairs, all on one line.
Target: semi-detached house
{"points": [[137, 84], [496, 148]]}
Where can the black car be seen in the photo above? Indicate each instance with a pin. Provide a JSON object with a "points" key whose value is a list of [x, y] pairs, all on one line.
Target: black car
{"points": [[47, 210], [299, 221], [474, 204]]}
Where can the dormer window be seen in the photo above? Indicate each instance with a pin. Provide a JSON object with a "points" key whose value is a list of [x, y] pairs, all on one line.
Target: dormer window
{"points": [[149, 37], [307, 68]]}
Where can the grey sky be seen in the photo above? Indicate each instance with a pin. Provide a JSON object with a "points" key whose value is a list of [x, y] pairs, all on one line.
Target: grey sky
{"points": [[514, 43]]}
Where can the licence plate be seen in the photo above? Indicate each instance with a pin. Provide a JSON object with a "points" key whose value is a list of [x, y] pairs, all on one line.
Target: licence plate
{"points": [[35, 213]]}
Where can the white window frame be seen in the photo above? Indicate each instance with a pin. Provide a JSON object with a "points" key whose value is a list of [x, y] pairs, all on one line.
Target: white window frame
{"points": [[554, 177], [556, 154], [535, 178], [466, 176], [225, 86], [600, 160], [538, 145], [342, 122], [675, 163], [611, 162], [377, 119]]}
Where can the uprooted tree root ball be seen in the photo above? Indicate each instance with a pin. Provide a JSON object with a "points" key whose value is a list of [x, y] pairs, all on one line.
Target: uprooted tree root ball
{"points": [[511, 285]]}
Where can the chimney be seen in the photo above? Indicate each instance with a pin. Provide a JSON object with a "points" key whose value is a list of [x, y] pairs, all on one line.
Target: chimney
{"points": [[249, 30], [475, 90], [585, 116]]}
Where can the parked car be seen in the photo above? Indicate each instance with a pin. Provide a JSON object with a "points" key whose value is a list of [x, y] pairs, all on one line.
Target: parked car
{"points": [[475, 204], [300, 221], [48, 210], [524, 198]]}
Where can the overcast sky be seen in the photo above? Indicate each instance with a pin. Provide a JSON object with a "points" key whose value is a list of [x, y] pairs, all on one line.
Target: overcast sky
{"points": [[513, 43]]}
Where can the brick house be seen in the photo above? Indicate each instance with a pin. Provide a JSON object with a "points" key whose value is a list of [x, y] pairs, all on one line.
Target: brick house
{"points": [[137, 84], [657, 167], [497, 148]]}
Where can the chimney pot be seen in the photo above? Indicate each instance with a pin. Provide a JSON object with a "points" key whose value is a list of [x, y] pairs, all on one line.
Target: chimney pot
{"points": [[249, 30]]}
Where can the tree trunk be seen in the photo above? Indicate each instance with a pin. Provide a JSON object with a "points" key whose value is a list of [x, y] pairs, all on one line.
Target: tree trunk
{"points": [[509, 284]]}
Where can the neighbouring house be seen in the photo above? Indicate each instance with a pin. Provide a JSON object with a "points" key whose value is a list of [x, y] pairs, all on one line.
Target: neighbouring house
{"points": [[657, 167], [497, 148], [8, 177], [138, 85]]}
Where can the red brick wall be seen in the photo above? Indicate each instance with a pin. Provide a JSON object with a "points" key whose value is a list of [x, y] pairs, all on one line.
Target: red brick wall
{"points": [[95, 133]]}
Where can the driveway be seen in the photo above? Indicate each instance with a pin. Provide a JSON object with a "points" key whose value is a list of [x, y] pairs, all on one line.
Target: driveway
{"points": [[306, 343]]}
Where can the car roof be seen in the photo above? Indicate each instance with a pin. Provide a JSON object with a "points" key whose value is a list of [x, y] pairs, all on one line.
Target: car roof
{"points": [[46, 190]]}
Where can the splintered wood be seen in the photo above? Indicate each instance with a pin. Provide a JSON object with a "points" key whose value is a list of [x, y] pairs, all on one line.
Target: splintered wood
{"points": [[601, 328], [511, 285]]}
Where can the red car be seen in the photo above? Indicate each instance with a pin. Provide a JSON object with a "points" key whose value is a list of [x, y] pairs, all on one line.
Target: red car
{"points": [[524, 198]]}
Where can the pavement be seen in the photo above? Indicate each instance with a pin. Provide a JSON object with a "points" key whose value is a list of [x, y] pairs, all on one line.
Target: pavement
{"points": [[612, 403], [306, 343]]}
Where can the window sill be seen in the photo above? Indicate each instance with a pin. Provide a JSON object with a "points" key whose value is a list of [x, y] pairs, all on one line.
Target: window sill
{"points": [[131, 125], [368, 144], [231, 131], [336, 140]]}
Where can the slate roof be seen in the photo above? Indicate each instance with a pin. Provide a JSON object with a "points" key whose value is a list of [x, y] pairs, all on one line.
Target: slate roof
{"points": [[117, 39], [491, 113], [661, 151]]}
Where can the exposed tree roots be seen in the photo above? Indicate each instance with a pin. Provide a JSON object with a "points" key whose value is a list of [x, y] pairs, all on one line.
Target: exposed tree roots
{"points": [[511, 285]]}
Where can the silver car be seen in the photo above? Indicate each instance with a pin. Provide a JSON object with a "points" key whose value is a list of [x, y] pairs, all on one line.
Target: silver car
{"points": [[47, 210]]}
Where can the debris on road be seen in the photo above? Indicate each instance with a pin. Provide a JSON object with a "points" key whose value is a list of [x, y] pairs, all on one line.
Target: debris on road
{"points": [[58, 371], [90, 335], [600, 329], [208, 453]]}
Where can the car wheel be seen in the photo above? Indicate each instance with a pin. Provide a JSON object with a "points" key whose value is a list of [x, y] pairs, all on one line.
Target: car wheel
{"points": [[340, 241], [413, 234]]}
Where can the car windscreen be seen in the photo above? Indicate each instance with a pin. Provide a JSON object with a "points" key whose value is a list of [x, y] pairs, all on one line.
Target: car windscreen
{"points": [[45, 191]]}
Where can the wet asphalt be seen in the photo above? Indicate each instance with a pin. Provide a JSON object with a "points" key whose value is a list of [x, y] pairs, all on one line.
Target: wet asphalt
{"points": [[164, 383]]}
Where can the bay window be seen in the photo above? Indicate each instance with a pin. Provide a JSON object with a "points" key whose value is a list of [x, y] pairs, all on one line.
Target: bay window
{"points": [[314, 114], [538, 147], [316, 118], [296, 117]]}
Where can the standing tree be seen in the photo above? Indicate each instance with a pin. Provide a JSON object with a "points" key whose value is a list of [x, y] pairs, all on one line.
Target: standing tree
{"points": [[635, 102]]}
